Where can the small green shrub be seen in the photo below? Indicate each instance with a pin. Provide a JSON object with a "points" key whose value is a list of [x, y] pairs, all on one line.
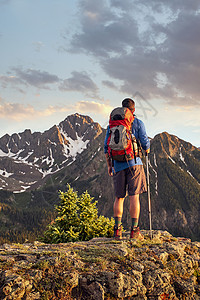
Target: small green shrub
{"points": [[77, 220]]}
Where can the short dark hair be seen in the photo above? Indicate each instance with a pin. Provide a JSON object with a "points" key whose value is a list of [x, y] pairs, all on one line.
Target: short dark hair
{"points": [[129, 103]]}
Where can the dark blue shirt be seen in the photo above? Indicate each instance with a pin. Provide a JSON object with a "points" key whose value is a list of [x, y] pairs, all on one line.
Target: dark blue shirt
{"points": [[139, 131]]}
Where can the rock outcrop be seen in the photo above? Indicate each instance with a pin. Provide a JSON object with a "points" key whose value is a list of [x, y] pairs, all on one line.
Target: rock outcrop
{"points": [[162, 268]]}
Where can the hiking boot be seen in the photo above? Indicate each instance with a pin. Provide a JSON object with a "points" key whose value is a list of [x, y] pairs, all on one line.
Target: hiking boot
{"points": [[118, 232], [136, 234]]}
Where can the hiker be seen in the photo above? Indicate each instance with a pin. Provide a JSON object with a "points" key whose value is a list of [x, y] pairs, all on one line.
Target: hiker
{"points": [[128, 173]]}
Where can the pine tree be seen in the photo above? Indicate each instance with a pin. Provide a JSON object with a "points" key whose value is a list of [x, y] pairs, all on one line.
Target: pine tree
{"points": [[77, 219]]}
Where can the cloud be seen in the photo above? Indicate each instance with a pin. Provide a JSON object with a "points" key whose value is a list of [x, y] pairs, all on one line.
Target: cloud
{"points": [[36, 78], [29, 77], [10, 80], [19, 112], [80, 82], [93, 107], [103, 32], [15, 111], [137, 41], [157, 5], [109, 84], [37, 46]]}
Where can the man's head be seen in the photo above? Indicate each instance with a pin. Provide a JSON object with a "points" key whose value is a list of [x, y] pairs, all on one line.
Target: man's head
{"points": [[129, 103]]}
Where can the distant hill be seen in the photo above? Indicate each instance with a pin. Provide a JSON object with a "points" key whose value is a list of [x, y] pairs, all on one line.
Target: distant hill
{"points": [[35, 166]]}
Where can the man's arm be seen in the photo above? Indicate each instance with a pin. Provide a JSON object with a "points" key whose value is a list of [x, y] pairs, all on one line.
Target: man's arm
{"points": [[142, 135], [109, 164]]}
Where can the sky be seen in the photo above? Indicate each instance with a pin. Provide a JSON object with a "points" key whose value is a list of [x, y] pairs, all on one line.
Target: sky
{"points": [[61, 57]]}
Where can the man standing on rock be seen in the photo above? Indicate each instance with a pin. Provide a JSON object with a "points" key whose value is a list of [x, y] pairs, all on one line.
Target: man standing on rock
{"points": [[128, 174]]}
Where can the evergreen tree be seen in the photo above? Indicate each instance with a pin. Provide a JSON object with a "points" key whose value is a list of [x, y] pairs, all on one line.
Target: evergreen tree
{"points": [[77, 220]]}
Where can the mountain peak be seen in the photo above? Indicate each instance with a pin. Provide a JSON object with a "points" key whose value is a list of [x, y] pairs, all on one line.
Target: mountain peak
{"points": [[170, 145], [80, 125], [36, 155]]}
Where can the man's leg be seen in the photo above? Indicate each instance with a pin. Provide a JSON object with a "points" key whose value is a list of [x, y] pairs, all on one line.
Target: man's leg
{"points": [[136, 185], [134, 206], [118, 212], [118, 207], [119, 180], [135, 214]]}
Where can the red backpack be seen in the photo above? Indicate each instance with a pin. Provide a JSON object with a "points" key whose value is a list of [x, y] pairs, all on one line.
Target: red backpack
{"points": [[122, 144]]}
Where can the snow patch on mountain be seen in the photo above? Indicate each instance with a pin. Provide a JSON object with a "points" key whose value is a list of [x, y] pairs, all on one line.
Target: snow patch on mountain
{"points": [[4, 173], [74, 146], [181, 155], [155, 172], [155, 162], [171, 159]]}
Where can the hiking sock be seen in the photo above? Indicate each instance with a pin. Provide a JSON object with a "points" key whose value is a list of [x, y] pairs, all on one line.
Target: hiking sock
{"points": [[134, 222], [118, 221]]}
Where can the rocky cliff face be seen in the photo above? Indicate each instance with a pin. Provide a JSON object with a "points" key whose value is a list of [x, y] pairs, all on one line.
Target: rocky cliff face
{"points": [[27, 158], [175, 185], [162, 268]]}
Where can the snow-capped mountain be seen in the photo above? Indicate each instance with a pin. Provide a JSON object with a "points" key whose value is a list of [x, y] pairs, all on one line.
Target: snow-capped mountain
{"points": [[41, 164], [27, 158]]}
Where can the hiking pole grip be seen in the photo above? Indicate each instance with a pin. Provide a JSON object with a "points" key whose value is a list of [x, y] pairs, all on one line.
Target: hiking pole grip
{"points": [[148, 193]]}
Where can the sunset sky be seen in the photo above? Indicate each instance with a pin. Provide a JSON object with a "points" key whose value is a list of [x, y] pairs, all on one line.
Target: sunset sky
{"points": [[62, 57]]}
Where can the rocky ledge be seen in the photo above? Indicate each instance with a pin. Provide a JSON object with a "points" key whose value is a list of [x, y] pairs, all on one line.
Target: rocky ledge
{"points": [[161, 268]]}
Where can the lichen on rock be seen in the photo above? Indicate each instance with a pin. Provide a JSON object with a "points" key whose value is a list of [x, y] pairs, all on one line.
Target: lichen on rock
{"points": [[102, 268]]}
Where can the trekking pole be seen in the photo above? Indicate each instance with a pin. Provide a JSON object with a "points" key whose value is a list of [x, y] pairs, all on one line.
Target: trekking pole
{"points": [[148, 192]]}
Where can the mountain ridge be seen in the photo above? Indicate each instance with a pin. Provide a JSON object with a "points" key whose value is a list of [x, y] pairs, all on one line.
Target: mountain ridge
{"points": [[174, 166], [44, 153]]}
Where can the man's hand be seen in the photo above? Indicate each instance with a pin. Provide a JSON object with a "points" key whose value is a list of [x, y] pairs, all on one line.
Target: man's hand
{"points": [[109, 164], [147, 151], [110, 171]]}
